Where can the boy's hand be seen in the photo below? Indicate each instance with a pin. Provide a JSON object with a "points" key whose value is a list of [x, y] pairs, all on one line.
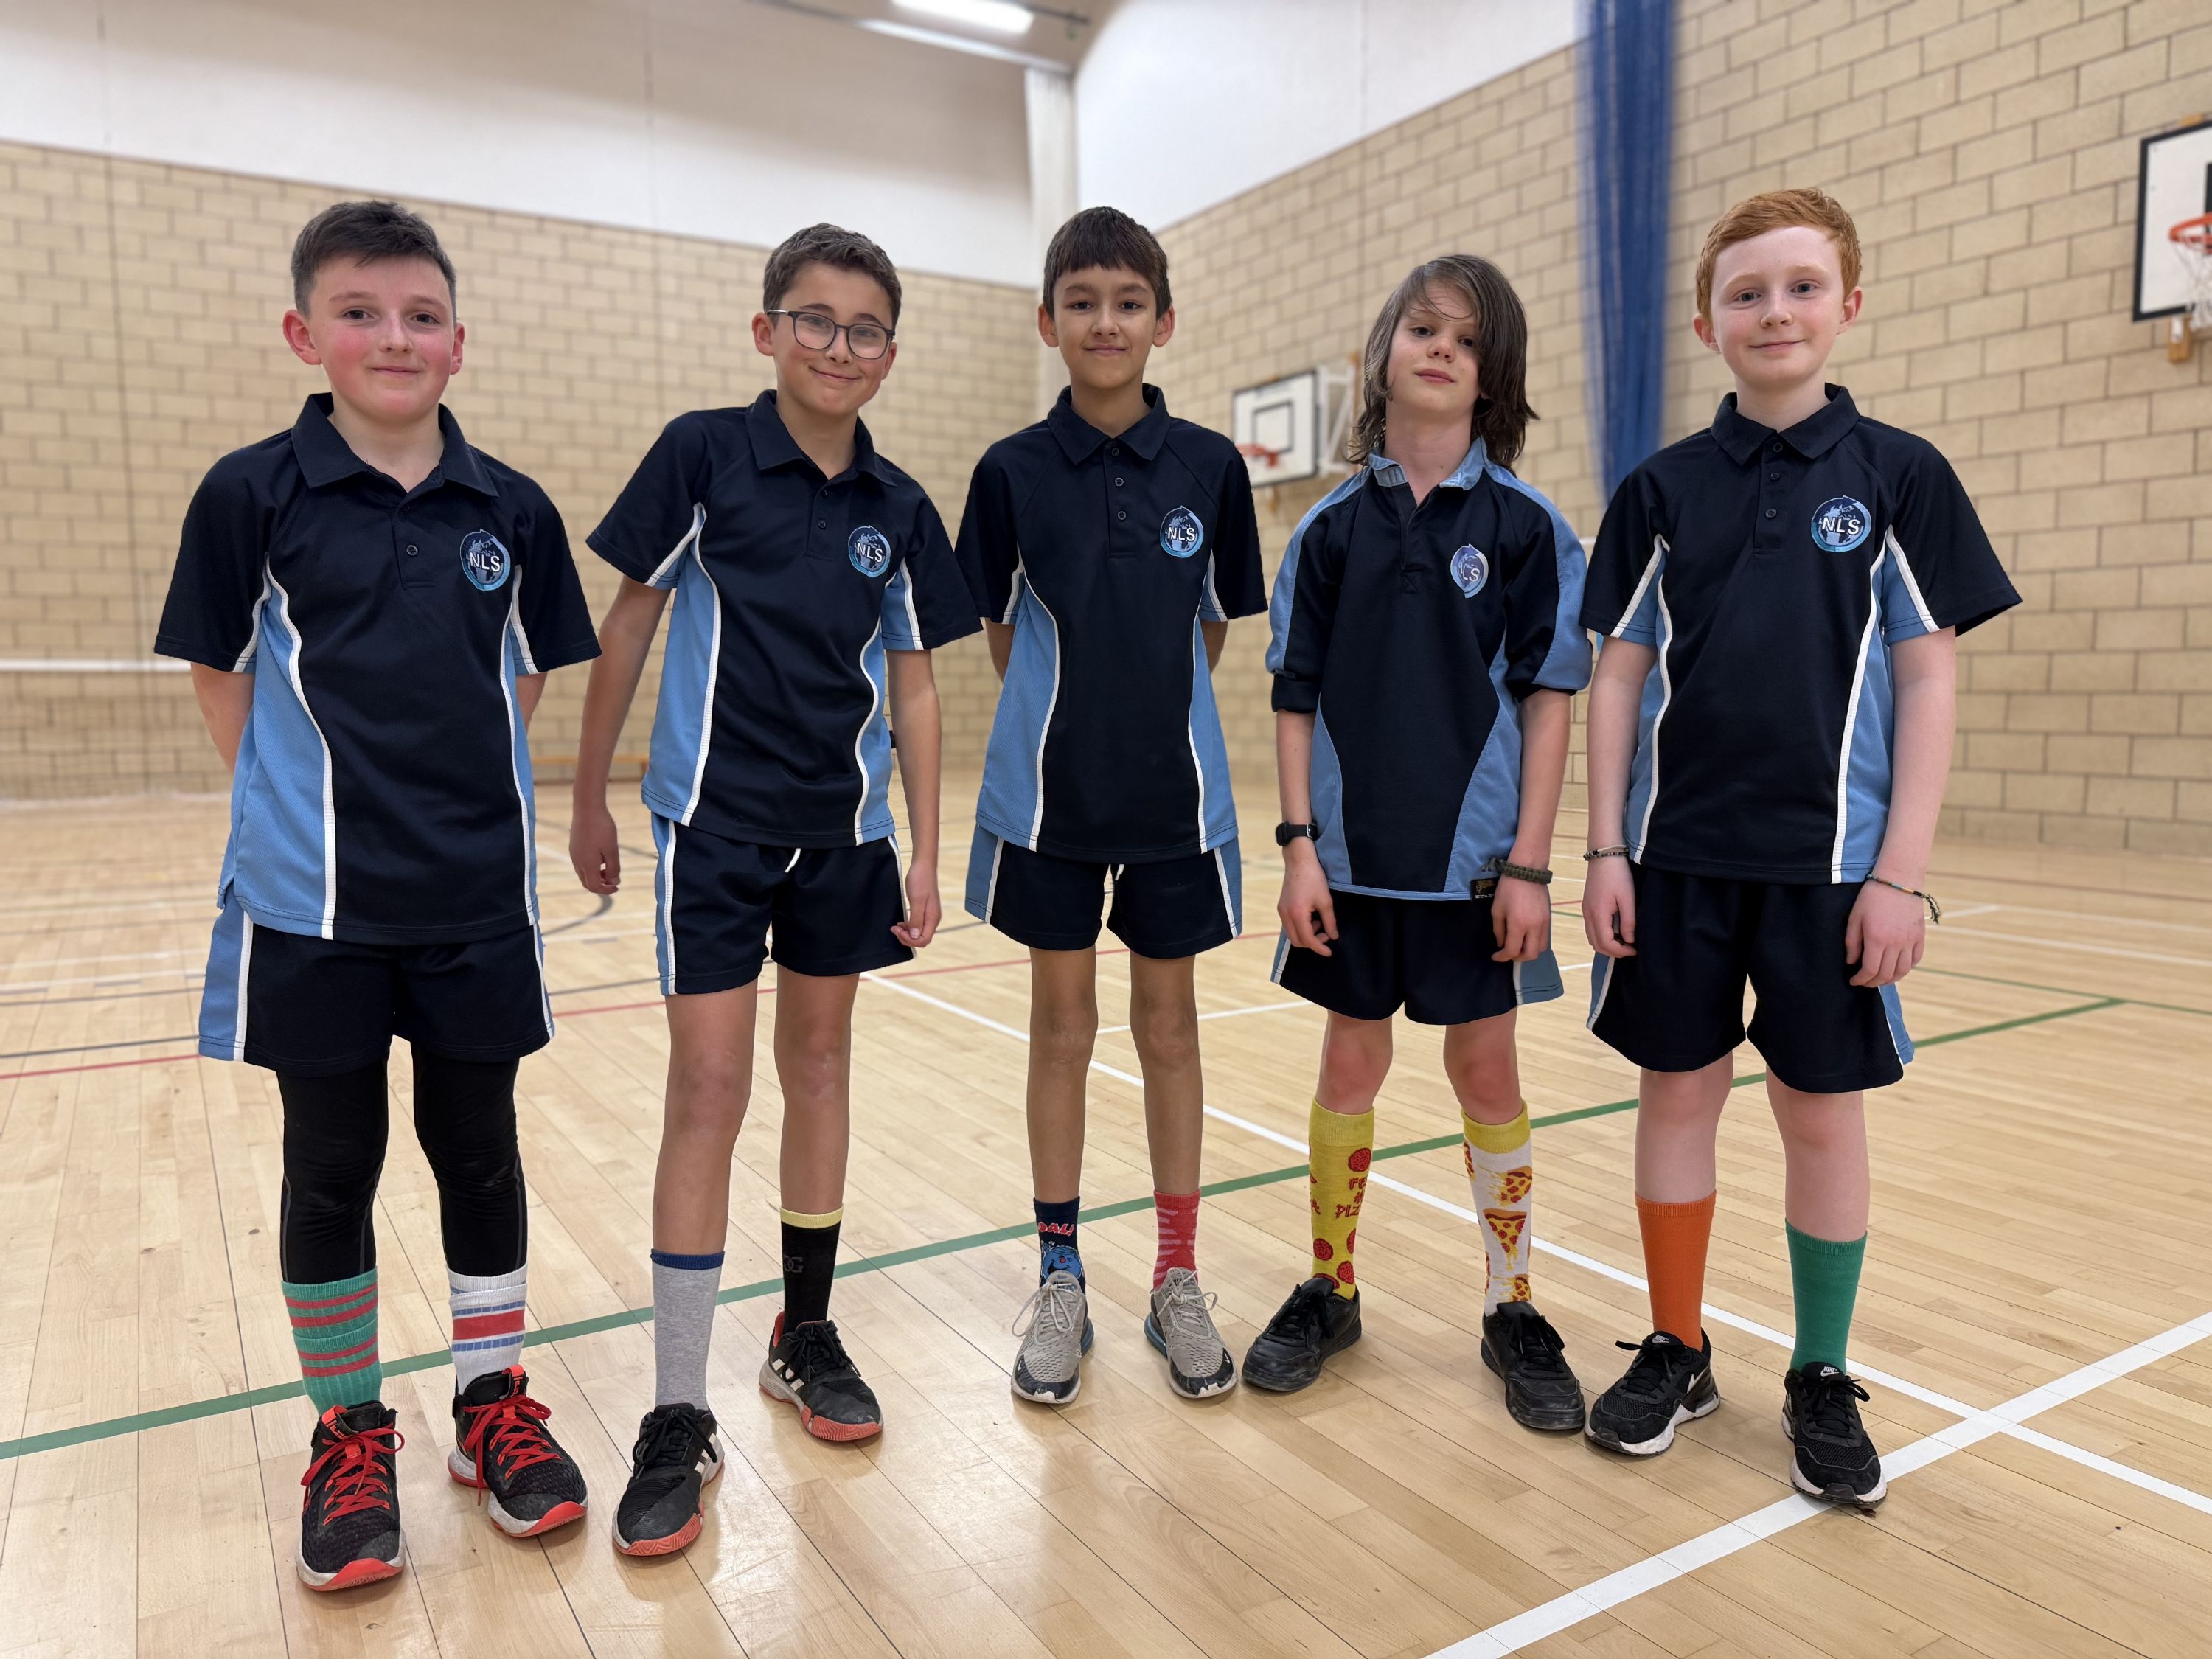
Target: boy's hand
{"points": [[1308, 911], [1886, 932], [593, 849], [1609, 908], [1521, 917], [924, 909]]}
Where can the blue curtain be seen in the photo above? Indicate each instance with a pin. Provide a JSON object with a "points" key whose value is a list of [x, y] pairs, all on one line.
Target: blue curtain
{"points": [[1627, 80]]}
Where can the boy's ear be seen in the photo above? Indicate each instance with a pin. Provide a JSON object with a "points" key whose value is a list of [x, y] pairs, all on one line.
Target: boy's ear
{"points": [[1048, 330], [460, 338], [764, 334], [1163, 329], [1702, 326], [1852, 303], [297, 338]]}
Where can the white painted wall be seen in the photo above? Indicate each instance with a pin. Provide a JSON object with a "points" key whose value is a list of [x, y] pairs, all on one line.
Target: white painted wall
{"points": [[708, 118], [1182, 104]]}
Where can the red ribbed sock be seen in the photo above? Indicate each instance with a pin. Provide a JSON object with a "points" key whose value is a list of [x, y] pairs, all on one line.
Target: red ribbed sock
{"points": [[1178, 1220]]}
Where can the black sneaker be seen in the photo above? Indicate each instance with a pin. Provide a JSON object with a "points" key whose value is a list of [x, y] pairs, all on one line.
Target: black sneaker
{"points": [[1314, 1323], [1519, 1344], [350, 1524], [501, 1447], [1835, 1461], [675, 1457], [809, 1368], [1668, 1383]]}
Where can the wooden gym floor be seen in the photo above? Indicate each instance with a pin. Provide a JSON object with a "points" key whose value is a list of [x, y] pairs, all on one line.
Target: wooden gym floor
{"points": [[2033, 1328]]}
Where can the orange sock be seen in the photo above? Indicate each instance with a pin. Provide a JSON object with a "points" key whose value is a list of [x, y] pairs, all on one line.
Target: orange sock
{"points": [[1674, 1240]]}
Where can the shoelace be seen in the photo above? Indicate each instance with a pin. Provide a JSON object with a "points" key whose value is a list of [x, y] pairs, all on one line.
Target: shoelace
{"points": [[816, 1351], [358, 1480], [1647, 1375], [1188, 1311], [671, 1436], [1826, 1412], [1534, 1338], [509, 1430], [1054, 1301], [1302, 1313]]}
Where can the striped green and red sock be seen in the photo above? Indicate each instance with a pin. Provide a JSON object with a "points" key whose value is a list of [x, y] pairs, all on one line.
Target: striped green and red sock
{"points": [[334, 1329]]}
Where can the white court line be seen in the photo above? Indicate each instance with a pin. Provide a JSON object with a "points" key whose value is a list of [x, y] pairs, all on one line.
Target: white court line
{"points": [[1564, 1611], [1975, 1425], [2081, 944]]}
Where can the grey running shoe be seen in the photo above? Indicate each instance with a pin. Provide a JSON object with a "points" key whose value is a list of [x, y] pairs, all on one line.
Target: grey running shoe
{"points": [[1181, 1326], [1055, 1327]]}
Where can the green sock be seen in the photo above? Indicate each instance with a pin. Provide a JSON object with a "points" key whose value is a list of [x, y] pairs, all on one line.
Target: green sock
{"points": [[1824, 1282], [334, 1329]]}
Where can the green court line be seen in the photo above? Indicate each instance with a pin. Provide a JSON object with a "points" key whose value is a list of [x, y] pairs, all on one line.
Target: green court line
{"points": [[137, 1422]]}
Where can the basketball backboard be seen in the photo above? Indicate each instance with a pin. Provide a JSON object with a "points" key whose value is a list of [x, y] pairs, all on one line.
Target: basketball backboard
{"points": [[2174, 184], [1294, 427]]}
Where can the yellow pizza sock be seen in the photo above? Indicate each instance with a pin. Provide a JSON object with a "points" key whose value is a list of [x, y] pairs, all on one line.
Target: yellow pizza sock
{"points": [[1500, 1171], [1338, 1148]]}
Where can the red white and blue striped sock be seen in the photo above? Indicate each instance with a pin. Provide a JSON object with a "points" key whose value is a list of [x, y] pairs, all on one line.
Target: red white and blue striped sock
{"points": [[487, 1323], [334, 1329]]}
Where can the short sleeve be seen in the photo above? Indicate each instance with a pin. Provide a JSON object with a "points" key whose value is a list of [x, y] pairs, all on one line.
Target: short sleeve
{"points": [[1940, 570], [1234, 585], [212, 615], [989, 549], [658, 517], [553, 626], [926, 602], [1546, 649], [1620, 591], [1303, 611]]}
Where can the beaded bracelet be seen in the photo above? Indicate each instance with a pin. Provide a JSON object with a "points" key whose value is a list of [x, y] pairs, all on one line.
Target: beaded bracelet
{"points": [[1935, 910], [1619, 851]]}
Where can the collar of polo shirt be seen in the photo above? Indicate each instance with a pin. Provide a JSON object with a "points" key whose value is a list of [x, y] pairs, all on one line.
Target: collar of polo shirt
{"points": [[326, 457], [1079, 441], [1465, 476], [774, 445], [1812, 437]]}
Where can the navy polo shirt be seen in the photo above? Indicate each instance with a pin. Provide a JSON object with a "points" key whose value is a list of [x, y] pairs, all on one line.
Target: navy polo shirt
{"points": [[1105, 554], [382, 794], [1411, 633], [1772, 572], [789, 588]]}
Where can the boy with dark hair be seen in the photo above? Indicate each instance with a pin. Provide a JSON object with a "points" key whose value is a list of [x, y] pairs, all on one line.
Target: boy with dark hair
{"points": [[1426, 653], [370, 607], [1109, 545], [1762, 807], [812, 580]]}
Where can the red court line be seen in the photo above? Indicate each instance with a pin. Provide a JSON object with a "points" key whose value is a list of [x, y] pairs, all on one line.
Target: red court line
{"points": [[576, 1013]]}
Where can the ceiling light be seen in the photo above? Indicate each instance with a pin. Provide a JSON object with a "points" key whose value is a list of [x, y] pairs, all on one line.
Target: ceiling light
{"points": [[1000, 16]]}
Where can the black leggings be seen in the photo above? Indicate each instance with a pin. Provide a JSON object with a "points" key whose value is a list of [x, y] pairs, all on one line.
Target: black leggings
{"points": [[335, 1131]]}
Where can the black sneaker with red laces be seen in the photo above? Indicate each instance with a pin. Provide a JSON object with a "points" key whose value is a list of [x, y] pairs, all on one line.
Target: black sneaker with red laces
{"points": [[349, 1522], [500, 1446]]}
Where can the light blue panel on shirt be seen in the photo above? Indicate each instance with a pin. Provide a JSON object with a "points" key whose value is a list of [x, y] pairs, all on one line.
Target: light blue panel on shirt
{"points": [[1325, 794], [1894, 1009], [1281, 602], [902, 624], [223, 998], [1566, 666], [681, 728], [874, 748], [1489, 812], [513, 666], [1013, 761], [664, 902], [1866, 774], [278, 862], [1643, 767], [1218, 811]]}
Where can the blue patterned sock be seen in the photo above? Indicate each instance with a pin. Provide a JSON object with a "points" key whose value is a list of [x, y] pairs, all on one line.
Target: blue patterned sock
{"points": [[1055, 1224]]}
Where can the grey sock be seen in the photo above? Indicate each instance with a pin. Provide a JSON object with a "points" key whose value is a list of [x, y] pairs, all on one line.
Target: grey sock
{"points": [[683, 1292]]}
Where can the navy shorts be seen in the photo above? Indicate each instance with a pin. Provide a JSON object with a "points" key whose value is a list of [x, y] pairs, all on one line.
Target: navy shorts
{"points": [[1173, 908], [315, 1007], [722, 908], [1677, 1005], [1429, 956]]}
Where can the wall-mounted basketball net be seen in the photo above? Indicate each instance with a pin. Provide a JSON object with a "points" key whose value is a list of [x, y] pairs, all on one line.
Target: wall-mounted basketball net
{"points": [[2173, 235], [1294, 427]]}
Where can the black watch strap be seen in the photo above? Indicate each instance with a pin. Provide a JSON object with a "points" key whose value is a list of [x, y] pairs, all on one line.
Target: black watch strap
{"points": [[1287, 832]]}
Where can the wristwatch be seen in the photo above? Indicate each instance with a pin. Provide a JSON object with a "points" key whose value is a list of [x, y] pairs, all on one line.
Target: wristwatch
{"points": [[1287, 832]]}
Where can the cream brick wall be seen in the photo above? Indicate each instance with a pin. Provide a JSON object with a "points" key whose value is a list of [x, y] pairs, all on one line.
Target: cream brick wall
{"points": [[138, 316], [1987, 153]]}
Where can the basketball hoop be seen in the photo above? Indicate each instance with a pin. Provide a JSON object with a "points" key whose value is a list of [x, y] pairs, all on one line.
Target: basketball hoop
{"points": [[1261, 454], [2193, 245]]}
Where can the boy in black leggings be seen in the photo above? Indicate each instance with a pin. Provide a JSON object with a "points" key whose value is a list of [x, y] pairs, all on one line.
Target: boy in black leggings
{"points": [[370, 607]]}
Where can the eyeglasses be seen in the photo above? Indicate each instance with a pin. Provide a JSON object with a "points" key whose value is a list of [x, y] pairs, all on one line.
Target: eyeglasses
{"points": [[866, 340]]}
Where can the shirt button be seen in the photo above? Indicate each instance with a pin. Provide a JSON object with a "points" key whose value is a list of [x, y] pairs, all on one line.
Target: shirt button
{"points": [[1778, 446], [1117, 483], [1120, 515], [410, 549], [1769, 511], [821, 524], [1113, 449], [1774, 477]]}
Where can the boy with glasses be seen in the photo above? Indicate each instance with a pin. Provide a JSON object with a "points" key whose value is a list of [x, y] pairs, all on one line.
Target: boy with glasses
{"points": [[812, 580]]}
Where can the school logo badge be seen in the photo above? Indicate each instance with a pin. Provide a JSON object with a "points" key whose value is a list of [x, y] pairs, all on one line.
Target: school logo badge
{"points": [[1842, 524], [485, 561], [1181, 533], [1470, 570], [870, 550]]}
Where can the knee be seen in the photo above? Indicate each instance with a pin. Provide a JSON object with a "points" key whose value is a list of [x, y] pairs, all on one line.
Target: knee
{"points": [[1354, 1061], [707, 1097], [1816, 1125], [1166, 1035], [1487, 1082], [1063, 1033]]}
